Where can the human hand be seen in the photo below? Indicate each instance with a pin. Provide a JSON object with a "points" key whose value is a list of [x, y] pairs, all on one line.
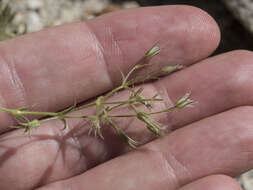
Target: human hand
{"points": [[53, 68]]}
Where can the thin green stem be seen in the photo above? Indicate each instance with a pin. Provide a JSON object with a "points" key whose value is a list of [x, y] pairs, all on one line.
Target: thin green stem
{"points": [[20, 112], [126, 102], [117, 106], [115, 116], [134, 108], [66, 117], [108, 95], [6, 109], [48, 119], [38, 113], [129, 74], [78, 117], [162, 111], [84, 107]]}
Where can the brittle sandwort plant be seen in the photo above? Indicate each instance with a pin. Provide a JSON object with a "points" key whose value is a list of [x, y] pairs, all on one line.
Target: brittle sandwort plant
{"points": [[103, 107]]}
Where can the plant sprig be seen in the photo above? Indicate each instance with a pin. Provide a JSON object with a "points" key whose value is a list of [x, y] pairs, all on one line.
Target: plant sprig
{"points": [[103, 107]]}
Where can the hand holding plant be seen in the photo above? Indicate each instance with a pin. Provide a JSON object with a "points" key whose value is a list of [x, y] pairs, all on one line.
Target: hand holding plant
{"points": [[86, 77]]}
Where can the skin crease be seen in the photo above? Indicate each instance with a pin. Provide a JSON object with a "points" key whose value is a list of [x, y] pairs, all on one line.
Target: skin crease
{"points": [[214, 136]]}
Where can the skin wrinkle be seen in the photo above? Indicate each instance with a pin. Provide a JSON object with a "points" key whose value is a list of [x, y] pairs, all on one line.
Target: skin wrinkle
{"points": [[133, 26], [100, 53], [2, 99], [14, 84], [15, 81], [109, 38], [175, 165], [99, 56], [168, 169], [79, 57], [183, 168], [118, 51], [215, 158], [163, 93]]}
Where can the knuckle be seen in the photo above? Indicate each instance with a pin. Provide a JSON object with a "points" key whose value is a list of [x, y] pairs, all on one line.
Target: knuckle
{"points": [[168, 164], [12, 81]]}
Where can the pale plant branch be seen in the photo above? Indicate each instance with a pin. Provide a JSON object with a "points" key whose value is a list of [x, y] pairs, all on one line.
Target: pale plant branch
{"points": [[102, 106]]}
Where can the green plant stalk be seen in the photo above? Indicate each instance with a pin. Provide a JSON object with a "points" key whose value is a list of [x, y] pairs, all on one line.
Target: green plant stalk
{"points": [[103, 107]]}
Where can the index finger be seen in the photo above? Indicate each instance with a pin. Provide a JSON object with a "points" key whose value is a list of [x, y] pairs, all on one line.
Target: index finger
{"points": [[58, 66]]}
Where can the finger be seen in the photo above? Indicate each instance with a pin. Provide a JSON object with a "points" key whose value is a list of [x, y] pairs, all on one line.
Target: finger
{"points": [[56, 67], [215, 182], [61, 146], [218, 84], [221, 144]]}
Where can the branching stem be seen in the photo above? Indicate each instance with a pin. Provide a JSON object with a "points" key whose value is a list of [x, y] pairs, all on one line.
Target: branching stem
{"points": [[103, 106]]}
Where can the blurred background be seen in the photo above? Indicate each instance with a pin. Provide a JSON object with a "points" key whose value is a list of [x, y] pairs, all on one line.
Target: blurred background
{"points": [[235, 18]]}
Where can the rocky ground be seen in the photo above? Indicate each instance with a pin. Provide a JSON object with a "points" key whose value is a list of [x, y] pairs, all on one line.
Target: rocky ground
{"points": [[243, 10], [39, 14], [34, 15]]}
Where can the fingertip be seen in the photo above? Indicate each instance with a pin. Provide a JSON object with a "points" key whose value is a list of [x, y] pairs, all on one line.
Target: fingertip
{"points": [[202, 35], [204, 23]]}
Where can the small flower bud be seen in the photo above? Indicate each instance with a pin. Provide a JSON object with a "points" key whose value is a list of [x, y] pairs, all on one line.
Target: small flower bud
{"points": [[155, 130], [99, 101], [128, 140], [96, 128], [183, 102], [152, 125], [153, 52], [170, 69]]}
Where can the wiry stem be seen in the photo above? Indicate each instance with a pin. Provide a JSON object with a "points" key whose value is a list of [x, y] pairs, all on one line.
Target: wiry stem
{"points": [[103, 106]]}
